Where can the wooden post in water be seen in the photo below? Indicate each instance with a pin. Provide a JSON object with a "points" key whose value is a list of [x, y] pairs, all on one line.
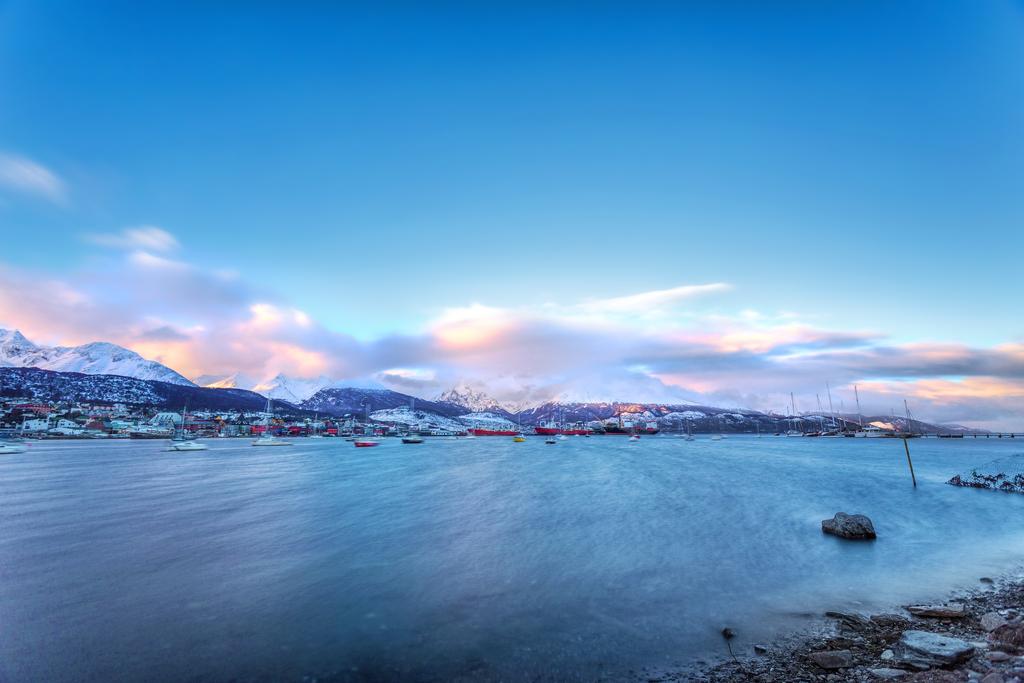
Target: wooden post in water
{"points": [[910, 463]]}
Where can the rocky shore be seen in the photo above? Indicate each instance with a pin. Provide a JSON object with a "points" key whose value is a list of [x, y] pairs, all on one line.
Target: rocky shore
{"points": [[975, 636]]}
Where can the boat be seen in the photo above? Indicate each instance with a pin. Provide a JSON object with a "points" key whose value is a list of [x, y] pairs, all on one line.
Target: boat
{"points": [[11, 448], [316, 430], [181, 442], [266, 438], [470, 436], [556, 429], [187, 446], [479, 431], [870, 432], [412, 438], [550, 442], [366, 443], [634, 437], [627, 427], [518, 438]]}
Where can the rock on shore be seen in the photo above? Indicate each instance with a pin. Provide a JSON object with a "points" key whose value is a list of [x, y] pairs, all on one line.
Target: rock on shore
{"points": [[979, 638]]}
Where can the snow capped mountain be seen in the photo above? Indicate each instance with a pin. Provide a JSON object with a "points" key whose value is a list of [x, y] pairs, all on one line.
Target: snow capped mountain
{"points": [[292, 389], [97, 358], [281, 387], [472, 399], [233, 381]]}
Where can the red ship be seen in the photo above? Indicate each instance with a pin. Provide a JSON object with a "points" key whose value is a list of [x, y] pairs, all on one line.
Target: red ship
{"points": [[476, 431], [551, 429]]}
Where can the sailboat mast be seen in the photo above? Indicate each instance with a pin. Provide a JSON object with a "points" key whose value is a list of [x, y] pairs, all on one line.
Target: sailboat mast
{"points": [[831, 410], [860, 415]]}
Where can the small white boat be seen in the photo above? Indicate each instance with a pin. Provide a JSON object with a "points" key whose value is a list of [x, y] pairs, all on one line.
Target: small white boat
{"points": [[412, 438], [11, 447], [187, 446], [268, 440], [550, 442], [561, 437], [716, 437], [470, 436], [635, 437]]}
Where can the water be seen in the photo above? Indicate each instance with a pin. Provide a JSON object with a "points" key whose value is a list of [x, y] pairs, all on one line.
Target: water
{"points": [[470, 559]]}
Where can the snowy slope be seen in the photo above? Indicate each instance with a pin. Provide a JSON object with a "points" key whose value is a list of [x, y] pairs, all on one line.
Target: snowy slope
{"points": [[97, 358], [417, 419]]}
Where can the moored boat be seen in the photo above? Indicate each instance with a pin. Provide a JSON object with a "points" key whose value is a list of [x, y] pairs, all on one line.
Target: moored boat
{"points": [[479, 431]]}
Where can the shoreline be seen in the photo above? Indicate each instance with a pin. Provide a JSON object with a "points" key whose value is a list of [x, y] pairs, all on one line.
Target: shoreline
{"points": [[985, 624]]}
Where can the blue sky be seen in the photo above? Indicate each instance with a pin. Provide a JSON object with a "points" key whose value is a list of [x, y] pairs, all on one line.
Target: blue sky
{"points": [[854, 164]]}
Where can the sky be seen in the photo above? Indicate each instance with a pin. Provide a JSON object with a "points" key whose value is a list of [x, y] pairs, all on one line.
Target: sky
{"points": [[717, 202]]}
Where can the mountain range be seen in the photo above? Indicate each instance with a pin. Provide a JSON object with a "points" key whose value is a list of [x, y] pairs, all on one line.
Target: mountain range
{"points": [[105, 372]]}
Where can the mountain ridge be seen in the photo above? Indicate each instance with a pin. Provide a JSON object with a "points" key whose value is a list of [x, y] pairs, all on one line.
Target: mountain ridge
{"points": [[94, 358]]}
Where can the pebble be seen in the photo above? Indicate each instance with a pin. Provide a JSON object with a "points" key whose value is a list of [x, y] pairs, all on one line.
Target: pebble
{"points": [[832, 659], [997, 656], [986, 579], [993, 678], [888, 674], [888, 654], [990, 621]]}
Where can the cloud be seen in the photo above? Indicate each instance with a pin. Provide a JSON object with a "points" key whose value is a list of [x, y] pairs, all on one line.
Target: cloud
{"points": [[145, 238], [212, 322], [24, 176], [646, 302]]}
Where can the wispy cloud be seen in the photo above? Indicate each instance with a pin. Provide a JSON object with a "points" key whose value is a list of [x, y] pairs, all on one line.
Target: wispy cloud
{"points": [[654, 300], [25, 176], [144, 237]]}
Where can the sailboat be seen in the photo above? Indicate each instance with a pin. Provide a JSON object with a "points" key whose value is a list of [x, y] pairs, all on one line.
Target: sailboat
{"points": [[316, 428], [180, 441], [266, 438], [793, 431]]}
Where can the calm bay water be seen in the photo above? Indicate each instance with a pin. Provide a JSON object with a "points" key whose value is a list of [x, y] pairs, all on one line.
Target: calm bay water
{"points": [[469, 559]]}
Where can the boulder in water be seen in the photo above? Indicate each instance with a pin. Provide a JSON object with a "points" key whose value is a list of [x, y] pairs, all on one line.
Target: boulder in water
{"points": [[856, 527]]}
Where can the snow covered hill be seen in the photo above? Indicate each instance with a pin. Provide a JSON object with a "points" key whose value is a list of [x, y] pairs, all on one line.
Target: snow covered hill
{"points": [[339, 401], [96, 358]]}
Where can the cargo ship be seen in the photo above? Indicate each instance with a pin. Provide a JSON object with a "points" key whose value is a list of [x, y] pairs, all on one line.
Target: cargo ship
{"points": [[629, 427], [553, 428], [477, 431]]}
